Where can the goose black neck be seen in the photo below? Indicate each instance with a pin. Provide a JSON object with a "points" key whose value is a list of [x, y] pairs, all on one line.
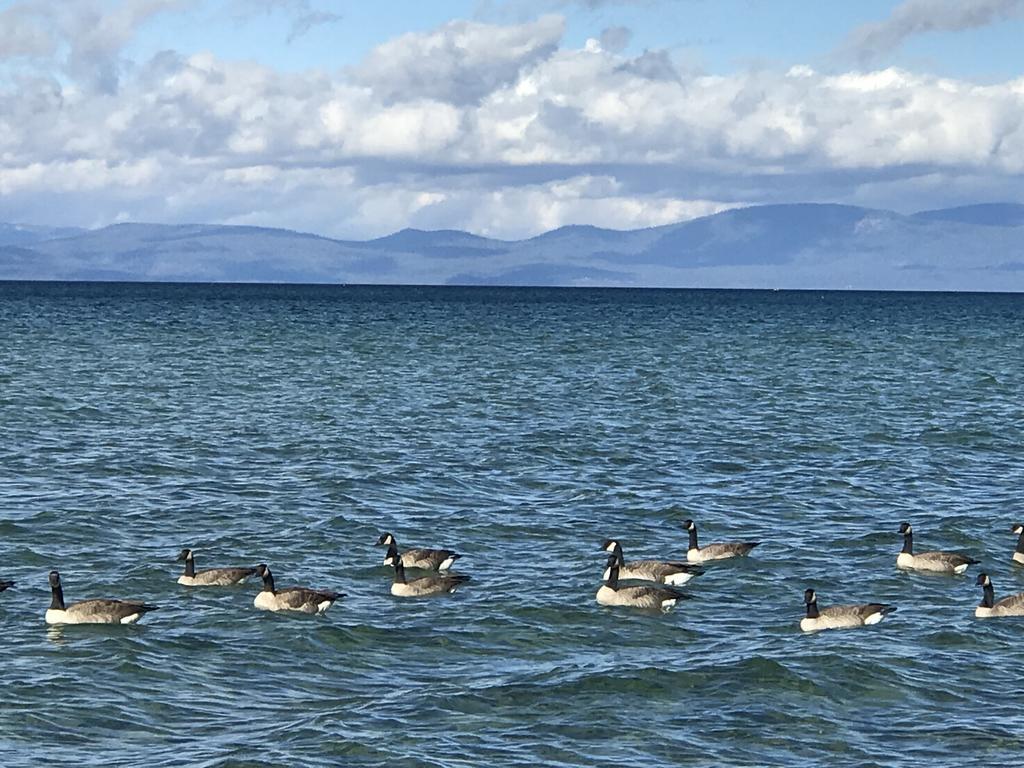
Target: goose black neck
{"points": [[619, 559], [1020, 543], [399, 570], [908, 544], [613, 577], [57, 600], [693, 538], [812, 610], [268, 581], [989, 596], [190, 567], [392, 550]]}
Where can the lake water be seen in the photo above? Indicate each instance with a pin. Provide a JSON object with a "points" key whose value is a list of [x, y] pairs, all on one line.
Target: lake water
{"points": [[293, 425]]}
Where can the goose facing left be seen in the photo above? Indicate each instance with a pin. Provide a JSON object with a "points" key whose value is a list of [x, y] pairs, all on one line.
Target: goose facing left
{"points": [[96, 611], [841, 616], [1018, 553], [646, 597], [724, 551], [664, 572], [935, 562], [420, 557], [990, 608], [210, 577], [425, 586], [300, 599]]}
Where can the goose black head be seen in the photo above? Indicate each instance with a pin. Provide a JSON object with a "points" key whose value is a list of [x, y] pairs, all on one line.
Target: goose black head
{"points": [[810, 596], [185, 554], [689, 525], [385, 539], [262, 570], [983, 580], [1018, 528], [610, 545], [54, 579], [905, 529]]}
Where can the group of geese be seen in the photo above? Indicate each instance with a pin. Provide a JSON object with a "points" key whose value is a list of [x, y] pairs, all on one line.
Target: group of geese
{"points": [[669, 575], [438, 580], [659, 592]]}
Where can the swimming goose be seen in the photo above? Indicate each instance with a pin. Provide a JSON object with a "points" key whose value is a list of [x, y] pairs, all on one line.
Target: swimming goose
{"points": [[427, 559], [6, 585], [663, 572], [1018, 554], [299, 599], [696, 554], [98, 611], [651, 598], [936, 562], [841, 616], [211, 577], [989, 609], [424, 586]]}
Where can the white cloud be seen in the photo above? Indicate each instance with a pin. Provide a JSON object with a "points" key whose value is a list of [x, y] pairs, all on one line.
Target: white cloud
{"points": [[487, 127], [460, 62]]}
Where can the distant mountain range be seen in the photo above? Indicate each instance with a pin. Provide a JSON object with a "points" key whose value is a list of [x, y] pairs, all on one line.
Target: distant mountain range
{"points": [[975, 247]]}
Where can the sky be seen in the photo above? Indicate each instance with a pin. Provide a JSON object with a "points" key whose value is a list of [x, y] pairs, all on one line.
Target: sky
{"points": [[504, 118]]}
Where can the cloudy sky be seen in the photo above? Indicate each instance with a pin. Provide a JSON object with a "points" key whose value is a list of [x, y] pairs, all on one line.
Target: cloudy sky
{"points": [[502, 117]]}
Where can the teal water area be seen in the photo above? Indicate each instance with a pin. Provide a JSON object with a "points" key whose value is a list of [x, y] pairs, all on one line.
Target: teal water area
{"points": [[292, 425]]}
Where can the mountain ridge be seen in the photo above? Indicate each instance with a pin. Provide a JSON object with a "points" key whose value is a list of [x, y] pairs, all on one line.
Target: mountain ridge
{"points": [[796, 245]]}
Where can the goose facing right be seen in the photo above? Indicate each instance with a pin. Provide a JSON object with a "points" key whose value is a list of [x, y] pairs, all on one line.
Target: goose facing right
{"points": [[664, 572], [95, 611], [300, 599], [420, 557], [697, 554], [934, 562], [210, 577], [841, 616], [990, 608], [1018, 553], [425, 586], [645, 597]]}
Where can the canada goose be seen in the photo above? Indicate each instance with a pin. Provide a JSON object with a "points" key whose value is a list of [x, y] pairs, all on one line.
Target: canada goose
{"points": [[663, 572], [97, 611], [651, 598], [426, 559], [1018, 554], [936, 562], [696, 554], [841, 616], [988, 608], [6, 585], [298, 599], [424, 586], [211, 577]]}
